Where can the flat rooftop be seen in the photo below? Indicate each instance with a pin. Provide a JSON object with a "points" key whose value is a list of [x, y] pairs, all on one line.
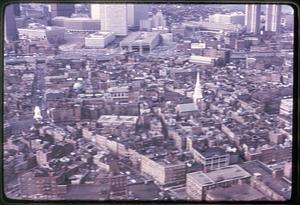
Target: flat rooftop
{"points": [[227, 173], [80, 19], [287, 102], [209, 25], [165, 162], [212, 151], [136, 37], [83, 192], [201, 178], [242, 192], [279, 186], [117, 119], [36, 26], [145, 191], [100, 34], [187, 107], [118, 89]]}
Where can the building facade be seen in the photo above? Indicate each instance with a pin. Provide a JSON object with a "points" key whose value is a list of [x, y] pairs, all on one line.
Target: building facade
{"points": [[77, 24], [163, 173], [41, 186], [198, 183], [273, 16], [114, 186], [62, 10], [10, 28], [141, 41], [113, 18], [252, 20], [99, 39], [36, 31], [135, 13]]}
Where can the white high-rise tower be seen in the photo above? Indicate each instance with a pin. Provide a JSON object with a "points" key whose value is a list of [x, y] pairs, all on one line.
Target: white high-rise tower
{"points": [[197, 96], [95, 11], [116, 17], [113, 17], [273, 16], [252, 18]]}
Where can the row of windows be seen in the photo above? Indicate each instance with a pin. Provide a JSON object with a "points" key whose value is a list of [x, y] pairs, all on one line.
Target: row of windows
{"points": [[119, 95], [218, 164], [217, 159], [122, 183]]}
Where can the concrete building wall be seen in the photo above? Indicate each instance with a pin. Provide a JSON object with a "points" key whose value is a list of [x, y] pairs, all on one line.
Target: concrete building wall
{"points": [[62, 10], [95, 42], [10, 28], [95, 11], [114, 18]]}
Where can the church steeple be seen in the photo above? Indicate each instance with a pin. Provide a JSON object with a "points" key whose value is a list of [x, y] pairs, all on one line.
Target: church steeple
{"points": [[197, 96]]}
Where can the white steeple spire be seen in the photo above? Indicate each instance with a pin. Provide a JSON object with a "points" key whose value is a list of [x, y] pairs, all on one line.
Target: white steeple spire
{"points": [[197, 91]]}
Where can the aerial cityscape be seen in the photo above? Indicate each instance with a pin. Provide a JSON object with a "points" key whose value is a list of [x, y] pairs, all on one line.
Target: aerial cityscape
{"points": [[148, 102]]}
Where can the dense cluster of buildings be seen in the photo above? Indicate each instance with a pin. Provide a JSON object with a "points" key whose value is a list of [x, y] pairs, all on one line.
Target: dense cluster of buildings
{"points": [[136, 102]]}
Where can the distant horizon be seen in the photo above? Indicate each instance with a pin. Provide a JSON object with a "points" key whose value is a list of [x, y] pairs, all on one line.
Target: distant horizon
{"points": [[285, 7]]}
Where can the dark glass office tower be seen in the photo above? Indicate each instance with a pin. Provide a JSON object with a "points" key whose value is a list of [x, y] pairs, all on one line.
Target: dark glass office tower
{"points": [[17, 10], [62, 10], [10, 28]]}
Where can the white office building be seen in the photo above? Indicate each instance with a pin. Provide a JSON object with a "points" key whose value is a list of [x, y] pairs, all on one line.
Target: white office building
{"points": [[230, 18], [166, 38], [141, 41], [219, 18], [77, 24], [99, 40], [134, 13], [237, 18], [37, 31], [252, 19], [273, 16], [286, 107], [202, 60], [113, 17], [159, 20], [95, 11]]}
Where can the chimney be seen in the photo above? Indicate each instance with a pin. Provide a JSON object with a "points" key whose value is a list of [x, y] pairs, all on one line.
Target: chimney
{"points": [[257, 176], [51, 174], [206, 169], [277, 173], [241, 182]]}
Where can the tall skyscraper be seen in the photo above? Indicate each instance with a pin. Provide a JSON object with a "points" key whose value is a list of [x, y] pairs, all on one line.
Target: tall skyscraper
{"points": [[17, 10], [135, 13], [273, 16], [197, 96], [62, 10], [95, 11], [130, 14], [10, 28], [113, 18], [159, 20], [252, 20]]}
